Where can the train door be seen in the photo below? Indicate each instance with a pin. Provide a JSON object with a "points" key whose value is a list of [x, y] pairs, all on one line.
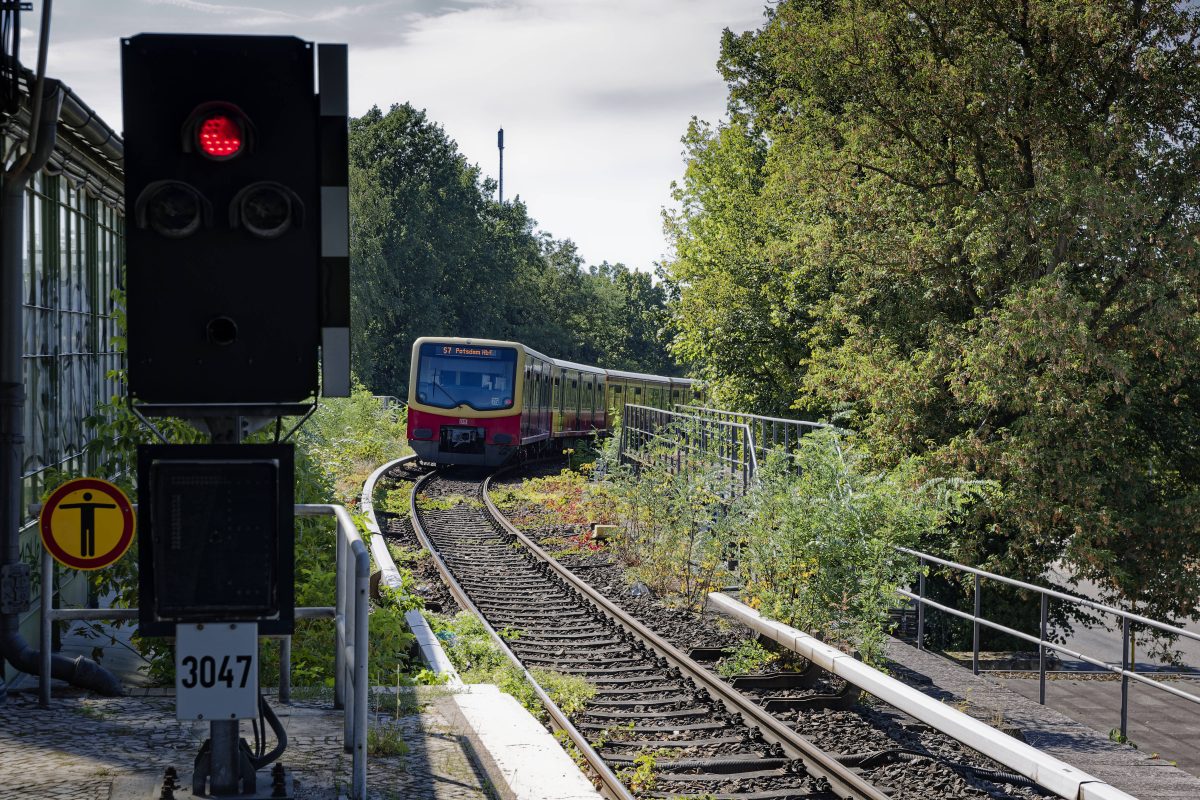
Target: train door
{"points": [[556, 402], [571, 412], [654, 396], [587, 401], [616, 401], [601, 408], [545, 387], [527, 405], [676, 396]]}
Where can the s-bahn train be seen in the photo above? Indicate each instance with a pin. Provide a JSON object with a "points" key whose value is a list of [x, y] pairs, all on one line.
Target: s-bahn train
{"points": [[480, 402]]}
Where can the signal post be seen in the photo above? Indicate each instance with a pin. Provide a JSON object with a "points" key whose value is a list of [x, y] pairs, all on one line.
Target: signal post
{"points": [[238, 316]]}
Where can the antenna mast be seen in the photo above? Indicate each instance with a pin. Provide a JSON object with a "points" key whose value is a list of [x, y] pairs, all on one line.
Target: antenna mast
{"points": [[500, 144]]}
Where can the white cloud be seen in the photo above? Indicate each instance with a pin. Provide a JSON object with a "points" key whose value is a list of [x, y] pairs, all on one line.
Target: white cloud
{"points": [[593, 94]]}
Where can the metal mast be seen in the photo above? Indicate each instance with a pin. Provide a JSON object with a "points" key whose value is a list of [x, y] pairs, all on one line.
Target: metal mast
{"points": [[500, 144]]}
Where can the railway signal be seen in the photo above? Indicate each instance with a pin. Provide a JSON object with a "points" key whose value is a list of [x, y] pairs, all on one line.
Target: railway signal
{"points": [[238, 310], [236, 227]]}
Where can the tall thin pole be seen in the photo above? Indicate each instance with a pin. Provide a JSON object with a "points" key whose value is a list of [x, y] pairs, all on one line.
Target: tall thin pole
{"points": [[500, 144]]}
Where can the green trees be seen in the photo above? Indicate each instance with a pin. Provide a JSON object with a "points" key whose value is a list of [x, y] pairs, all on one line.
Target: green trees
{"points": [[972, 226], [433, 255]]}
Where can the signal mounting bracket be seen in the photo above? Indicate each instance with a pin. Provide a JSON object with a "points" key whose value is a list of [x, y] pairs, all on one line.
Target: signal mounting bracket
{"points": [[224, 423]]}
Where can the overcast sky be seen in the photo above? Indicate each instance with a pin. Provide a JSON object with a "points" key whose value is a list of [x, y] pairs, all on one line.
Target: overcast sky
{"points": [[593, 95]]}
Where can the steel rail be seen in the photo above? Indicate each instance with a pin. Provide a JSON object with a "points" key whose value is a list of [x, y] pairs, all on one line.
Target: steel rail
{"points": [[612, 783], [817, 761]]}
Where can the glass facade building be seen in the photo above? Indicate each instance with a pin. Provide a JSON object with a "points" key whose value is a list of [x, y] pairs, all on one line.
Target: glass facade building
{"points": [[71, 259]]}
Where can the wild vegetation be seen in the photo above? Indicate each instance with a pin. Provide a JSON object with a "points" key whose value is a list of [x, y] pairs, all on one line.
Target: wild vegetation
{"points": [[812, 544], [970, 231]]}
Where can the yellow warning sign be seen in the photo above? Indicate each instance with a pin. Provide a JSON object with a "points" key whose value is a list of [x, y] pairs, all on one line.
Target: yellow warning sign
{"points": [[87, 523]]}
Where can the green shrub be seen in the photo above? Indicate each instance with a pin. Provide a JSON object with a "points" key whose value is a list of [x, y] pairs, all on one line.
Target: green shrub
{"points": [[744, 658], [816, 539]]}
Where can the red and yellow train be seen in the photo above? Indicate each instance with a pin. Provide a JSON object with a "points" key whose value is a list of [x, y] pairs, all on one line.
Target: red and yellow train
{"points": [[480, 402]]}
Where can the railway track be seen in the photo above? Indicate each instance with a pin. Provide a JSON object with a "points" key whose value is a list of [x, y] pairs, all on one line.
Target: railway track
{"points": [[697, 734], [703, 738]]}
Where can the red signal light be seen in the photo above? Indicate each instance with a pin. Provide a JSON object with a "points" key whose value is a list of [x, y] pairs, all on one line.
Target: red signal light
{"points": [[220, 136]]}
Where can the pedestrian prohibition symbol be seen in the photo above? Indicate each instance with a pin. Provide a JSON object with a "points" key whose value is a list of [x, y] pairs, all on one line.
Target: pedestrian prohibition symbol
{"points": [[87, 523]]}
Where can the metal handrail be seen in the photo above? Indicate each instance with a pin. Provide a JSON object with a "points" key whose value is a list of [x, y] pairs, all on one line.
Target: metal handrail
{"points": [[1092, 604], [350, 621], [744, 415], [1041, 641], [635, 416], [793, 430]]}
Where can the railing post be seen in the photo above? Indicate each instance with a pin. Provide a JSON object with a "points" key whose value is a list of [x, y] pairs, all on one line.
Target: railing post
{"points": [[1124, 678], [1042, 652], [975, 630], [339, 616], [921, 604], [285, 669], [361, 676], [351, 696], [47, 629]]}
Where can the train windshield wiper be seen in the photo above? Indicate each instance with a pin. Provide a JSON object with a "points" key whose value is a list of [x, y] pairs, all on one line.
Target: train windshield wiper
{"points": [[442, 389]]}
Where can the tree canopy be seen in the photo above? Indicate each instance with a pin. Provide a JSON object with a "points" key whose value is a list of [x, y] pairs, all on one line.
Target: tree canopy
{"points": [[434, 255], [970, 227]]}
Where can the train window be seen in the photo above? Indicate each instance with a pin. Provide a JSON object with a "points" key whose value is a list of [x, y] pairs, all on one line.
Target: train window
{"points": [[449, 376], [637, 390], [574, 384], [618, 389]]}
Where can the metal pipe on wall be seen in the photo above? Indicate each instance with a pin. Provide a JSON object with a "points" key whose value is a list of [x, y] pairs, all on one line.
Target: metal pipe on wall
{"points": [[81, 671]]}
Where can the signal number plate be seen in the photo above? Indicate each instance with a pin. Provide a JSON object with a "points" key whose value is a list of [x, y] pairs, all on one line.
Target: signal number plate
{"points": [[216, 671]]}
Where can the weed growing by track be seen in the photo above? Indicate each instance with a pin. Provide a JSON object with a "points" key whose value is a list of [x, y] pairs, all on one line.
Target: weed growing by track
{"points": [[479, 660], [427, 503], [745, 658]]}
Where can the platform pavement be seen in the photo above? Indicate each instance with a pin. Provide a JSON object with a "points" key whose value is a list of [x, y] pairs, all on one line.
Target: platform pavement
{"points": [[82, 745], [1137, 772], [1158, 722], [463, 743]]}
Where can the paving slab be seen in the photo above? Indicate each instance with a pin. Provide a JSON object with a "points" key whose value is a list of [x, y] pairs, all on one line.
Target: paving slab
{"points": [[80, 746], [1137, 772]]}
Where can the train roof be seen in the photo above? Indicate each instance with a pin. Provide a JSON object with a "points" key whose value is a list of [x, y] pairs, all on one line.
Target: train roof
{"points": [[616, 373], [642, 376], [580, 367]]}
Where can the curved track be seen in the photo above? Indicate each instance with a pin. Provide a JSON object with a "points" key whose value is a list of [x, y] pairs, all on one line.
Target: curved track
{"points": [[704, 739]]}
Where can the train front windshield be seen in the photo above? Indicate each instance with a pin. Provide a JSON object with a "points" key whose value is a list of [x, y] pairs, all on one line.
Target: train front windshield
{"points": [[450, 375]]}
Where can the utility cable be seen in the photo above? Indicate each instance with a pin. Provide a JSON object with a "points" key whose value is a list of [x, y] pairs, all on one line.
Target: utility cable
{"points": [[280, 735]]}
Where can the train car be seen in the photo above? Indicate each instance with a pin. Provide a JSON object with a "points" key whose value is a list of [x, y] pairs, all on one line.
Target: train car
{"points": [[482, 401]]}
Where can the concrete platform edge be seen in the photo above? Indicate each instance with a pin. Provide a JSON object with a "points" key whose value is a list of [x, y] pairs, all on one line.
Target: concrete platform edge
{"points": [[1056, 775], [531, 762]]}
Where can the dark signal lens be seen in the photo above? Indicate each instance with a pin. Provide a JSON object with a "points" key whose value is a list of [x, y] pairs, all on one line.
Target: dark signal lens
{"points": [[220, 137], [171, 208], [266, 211]]}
